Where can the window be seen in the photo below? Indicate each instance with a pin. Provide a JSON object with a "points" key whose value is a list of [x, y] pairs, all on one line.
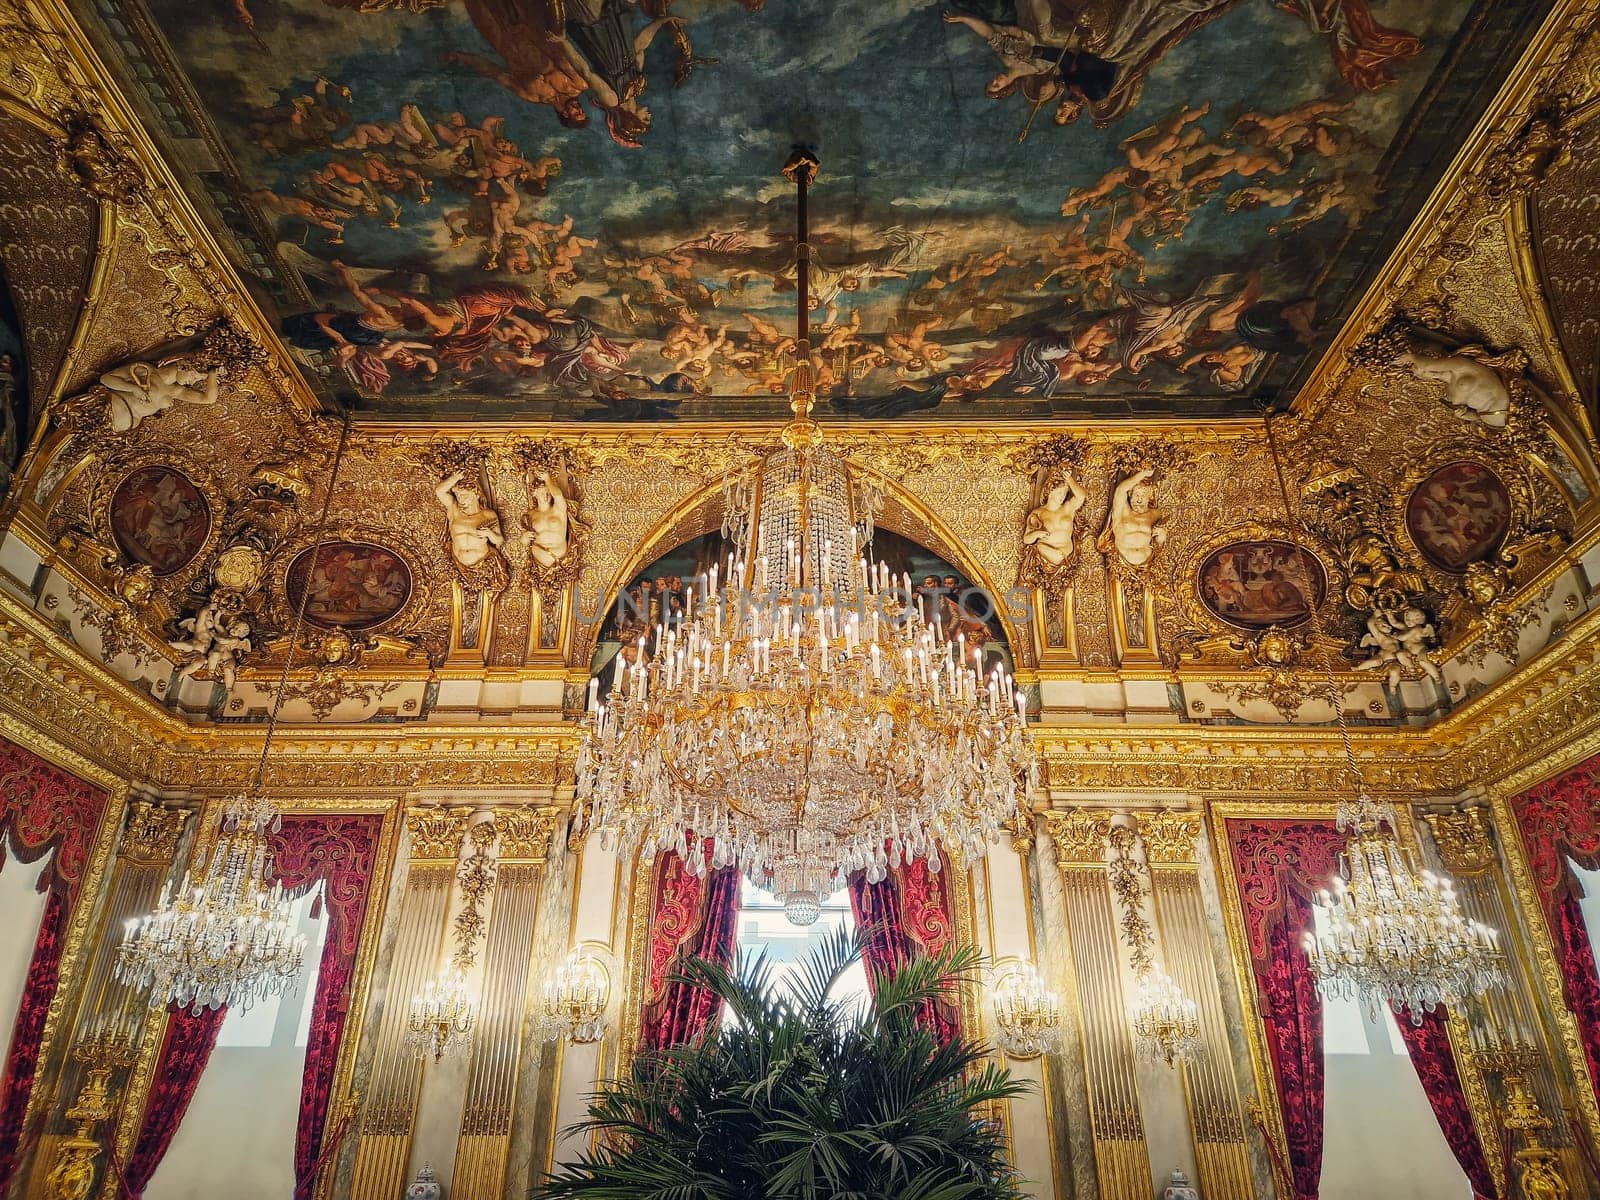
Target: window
{"points": [[763, 927], [278, 1019]]}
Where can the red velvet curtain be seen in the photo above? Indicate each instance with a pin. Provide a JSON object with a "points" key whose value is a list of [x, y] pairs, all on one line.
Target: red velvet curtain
{"points": [[43, 811], [900, 915], [191, 1036], [1279, 865], [692, 917], [340, 852], [1558, 820], [1435, 1062]]}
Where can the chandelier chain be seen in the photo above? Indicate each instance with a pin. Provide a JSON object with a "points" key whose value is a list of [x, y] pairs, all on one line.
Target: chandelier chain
{"points": [[305, 600]]}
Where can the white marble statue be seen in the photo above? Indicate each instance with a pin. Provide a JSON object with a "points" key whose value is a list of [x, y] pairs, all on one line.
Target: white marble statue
{"points": [[1048, 532], [138, 390], [1472, 387], [1135, 528], [1400, 642], [474, 529], [547, 536], [216, 643]]}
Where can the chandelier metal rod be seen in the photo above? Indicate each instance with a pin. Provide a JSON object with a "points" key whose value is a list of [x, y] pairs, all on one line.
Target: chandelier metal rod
{"points": [[300, 609], [1313, 610]]}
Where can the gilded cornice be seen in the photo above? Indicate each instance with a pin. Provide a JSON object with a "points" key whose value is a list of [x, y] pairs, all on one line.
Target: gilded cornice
{"points": [[1509, 734]]}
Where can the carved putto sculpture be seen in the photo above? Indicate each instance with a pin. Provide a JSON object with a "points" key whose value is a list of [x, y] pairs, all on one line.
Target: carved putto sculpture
{"points": [[474, 529], [547, 521], [1051, 525], [217, 641], [1135, 527], [1400, 640], [138, 390], [1472, 387]]}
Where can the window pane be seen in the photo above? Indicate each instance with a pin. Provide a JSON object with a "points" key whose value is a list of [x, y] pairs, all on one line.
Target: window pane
{"points": [[763, 927]]}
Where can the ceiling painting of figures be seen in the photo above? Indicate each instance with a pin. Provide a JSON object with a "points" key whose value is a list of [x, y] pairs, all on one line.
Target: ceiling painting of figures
{"points": [[571, 209]]}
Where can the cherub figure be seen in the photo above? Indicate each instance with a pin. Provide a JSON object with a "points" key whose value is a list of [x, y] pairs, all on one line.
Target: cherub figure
{"points": [[1049, 527], [474, 529], [138, 390], [215, 644], [1135, 528], [547, 522], [1400, 641]]}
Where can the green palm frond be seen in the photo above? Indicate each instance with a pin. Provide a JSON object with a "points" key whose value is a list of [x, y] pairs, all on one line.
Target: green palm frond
{"points": [[798, 1096]]}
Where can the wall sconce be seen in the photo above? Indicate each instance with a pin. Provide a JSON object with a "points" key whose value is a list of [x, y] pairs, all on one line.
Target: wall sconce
{"points": [[577, 993], [1027, 1014]]}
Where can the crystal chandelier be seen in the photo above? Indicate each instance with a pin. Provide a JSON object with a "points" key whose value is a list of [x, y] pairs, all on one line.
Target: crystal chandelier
{"points": [[442, 1016], [227, 937], [807, 718], [1027, 1014], [1392, 934], [1166, 1023], [576, 996]]}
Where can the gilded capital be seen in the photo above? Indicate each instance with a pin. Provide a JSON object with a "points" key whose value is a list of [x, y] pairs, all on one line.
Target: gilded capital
{"points": [[151, 836], [1170, 837], [1464, 840], [436, 833], [525, 833], [1080, 835]]}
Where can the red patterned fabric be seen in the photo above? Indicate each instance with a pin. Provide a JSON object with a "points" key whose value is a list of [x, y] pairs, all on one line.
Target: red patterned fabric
{"points": [[683, 1012], [1560, 820], [1580, 983], [898, 915], [675, 917], [1435, 1062], [191, 1036], [340, 852], [43, 811], [1279, 865], [22, 1061]]}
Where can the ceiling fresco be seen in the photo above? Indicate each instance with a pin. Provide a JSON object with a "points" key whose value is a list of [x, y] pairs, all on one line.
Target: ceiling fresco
{"points": [[529, 209]]}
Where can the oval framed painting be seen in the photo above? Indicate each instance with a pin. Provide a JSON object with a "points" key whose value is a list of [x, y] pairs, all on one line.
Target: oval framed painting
{"points": [[1459, 515], [159, 518], [355, 585], [1258, 584]]}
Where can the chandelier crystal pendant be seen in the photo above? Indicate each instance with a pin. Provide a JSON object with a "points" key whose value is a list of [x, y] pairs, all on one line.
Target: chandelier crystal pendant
{"points": [[226, 939], [1392, 934], [442, 1017], [1166, 1023], [807, 718]]}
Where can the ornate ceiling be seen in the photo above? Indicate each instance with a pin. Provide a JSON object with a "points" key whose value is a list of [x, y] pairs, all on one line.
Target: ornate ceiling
{"points": [[1438, 455], [524, 209]]}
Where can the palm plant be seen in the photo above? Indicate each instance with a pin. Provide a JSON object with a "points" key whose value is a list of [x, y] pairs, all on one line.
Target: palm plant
{"points": [[800, 1095]]}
